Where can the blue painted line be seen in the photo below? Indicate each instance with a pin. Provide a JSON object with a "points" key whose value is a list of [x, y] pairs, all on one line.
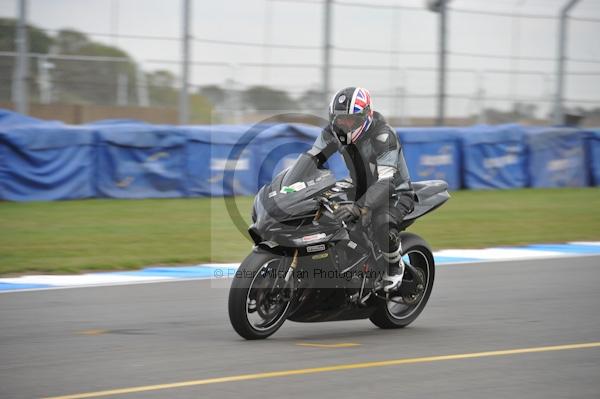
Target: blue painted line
{"points": [[567, 248], [175, 274], [199, 271], [450, 259], [215, 270], [13, 287]]}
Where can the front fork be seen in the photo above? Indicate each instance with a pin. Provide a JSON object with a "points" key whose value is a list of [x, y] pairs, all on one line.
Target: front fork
{"points": [[288, 286], [292, 268]]}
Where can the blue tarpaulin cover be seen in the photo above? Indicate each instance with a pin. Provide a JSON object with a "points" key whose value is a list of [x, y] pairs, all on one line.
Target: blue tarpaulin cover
{"points": [[432, 153], [219, 160], [282, 144], [46, 161], [224, 160], [49, 160], [494, 157], [556, 157], [140, 161], [279, 146], [594, 156], [11, 118]]}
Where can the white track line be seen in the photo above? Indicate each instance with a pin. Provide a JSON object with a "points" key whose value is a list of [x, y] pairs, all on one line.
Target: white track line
{"points": [[113, 279]]}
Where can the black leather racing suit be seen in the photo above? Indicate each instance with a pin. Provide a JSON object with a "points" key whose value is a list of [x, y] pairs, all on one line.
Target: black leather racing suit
{"points": [[380, 176]]}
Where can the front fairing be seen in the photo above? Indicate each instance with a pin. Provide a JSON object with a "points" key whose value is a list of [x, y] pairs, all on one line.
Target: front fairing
{"points": [[286, 218]]}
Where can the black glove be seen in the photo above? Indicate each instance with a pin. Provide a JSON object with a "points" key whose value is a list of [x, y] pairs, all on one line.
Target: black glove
{"points": [[365, 216], [350, 212]]}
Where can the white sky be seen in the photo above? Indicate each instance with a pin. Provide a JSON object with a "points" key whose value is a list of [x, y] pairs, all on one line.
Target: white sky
{"points": [[375, 28]]}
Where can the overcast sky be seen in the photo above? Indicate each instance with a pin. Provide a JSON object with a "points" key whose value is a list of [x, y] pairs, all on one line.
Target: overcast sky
{"points": [[380, 28]]}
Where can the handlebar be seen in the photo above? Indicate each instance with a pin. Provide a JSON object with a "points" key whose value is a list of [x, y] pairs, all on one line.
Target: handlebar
{"points": [[330, 205]]}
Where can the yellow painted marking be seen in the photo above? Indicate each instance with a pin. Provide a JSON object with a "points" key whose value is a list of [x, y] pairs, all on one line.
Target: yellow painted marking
{"points": [[315, 370], [340, 345], [93, 332]]}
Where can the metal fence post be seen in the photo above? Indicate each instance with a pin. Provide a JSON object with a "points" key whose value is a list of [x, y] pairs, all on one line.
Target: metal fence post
{"points": [[185, 64], [560, 66], [327, 12], [21, 76], [442, 63], [441, 7]]}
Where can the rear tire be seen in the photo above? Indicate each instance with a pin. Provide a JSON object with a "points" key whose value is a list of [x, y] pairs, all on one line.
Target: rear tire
{"points": [[245, 284], [390, 315]]}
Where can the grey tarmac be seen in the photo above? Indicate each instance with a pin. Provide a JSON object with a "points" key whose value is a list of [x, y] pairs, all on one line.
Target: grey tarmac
{"points": [[69, 342]]}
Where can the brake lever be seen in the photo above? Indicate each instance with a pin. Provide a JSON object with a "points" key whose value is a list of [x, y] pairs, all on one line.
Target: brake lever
{"points": [[330, 206], [326, 203]]}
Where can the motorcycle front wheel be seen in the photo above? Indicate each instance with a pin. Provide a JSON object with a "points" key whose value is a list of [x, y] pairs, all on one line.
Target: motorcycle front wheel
{"points": [[257, 301]]}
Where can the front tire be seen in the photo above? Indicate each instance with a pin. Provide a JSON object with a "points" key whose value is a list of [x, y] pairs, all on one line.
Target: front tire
{"points": [[252, 311], [394, 315]]}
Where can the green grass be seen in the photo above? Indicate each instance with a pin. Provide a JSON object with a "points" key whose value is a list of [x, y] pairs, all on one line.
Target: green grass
{"points": [[74, 236]]}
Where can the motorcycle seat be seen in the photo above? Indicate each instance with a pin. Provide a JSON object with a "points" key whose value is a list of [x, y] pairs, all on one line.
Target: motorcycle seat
{"points": [[427, 188], [429, 194]]}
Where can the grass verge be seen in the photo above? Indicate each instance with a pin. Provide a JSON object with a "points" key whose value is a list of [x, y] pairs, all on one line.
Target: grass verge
{"points": [[73, 236]]}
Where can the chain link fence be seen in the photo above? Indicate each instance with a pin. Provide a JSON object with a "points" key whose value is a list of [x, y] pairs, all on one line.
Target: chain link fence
{"points": [[497, 73]]}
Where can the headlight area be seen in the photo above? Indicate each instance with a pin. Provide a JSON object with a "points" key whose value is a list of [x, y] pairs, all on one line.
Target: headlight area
{"points": [[311, 240]]}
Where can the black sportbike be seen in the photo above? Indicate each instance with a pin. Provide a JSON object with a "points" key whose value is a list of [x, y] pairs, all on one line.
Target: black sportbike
{"points": [[306, 266]]}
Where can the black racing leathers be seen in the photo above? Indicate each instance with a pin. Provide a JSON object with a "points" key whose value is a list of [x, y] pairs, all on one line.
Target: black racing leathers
{"points": [[380, 176], [375, 161]]}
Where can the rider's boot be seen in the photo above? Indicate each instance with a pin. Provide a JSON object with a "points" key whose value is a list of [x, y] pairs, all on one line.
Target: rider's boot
{"points": [[393, 278]]}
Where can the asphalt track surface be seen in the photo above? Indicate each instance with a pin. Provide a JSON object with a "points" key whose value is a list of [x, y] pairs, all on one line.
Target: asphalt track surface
{"points": [[173, 340]]}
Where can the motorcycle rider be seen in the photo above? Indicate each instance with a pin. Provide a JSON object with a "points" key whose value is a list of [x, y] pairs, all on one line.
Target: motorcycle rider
{"points": [[374, 157]]}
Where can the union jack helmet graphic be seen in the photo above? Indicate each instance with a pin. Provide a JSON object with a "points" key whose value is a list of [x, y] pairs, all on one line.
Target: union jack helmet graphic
{"points": [[350, 114]]}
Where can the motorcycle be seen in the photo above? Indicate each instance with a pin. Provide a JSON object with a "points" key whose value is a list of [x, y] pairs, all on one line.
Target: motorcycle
{"points": [[307, 266]]}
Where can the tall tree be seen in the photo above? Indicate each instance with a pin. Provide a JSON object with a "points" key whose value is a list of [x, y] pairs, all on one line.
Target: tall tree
{"points": [[39, 42], [215, 94], [91, 81], [263, 98]]}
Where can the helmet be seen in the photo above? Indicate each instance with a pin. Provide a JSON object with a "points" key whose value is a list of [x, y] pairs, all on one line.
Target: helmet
{"points": [[350, 114]]}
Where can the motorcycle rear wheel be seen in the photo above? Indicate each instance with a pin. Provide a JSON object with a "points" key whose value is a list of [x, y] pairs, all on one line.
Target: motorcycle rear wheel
{"points": [[390, 314], [253, 311]]}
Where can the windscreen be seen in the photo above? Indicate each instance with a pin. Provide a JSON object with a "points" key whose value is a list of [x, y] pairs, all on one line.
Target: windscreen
{"points": [[305, 168]]}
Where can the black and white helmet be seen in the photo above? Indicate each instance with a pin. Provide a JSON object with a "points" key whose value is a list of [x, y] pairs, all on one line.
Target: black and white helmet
{"points": [[350, 114]]}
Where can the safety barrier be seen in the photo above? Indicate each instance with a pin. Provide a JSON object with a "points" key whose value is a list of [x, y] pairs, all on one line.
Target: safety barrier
{"points": [[41, 160]]}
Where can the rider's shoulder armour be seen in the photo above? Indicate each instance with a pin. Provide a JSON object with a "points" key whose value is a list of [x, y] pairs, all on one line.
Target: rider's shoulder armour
{"points": [[382, 135]]}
